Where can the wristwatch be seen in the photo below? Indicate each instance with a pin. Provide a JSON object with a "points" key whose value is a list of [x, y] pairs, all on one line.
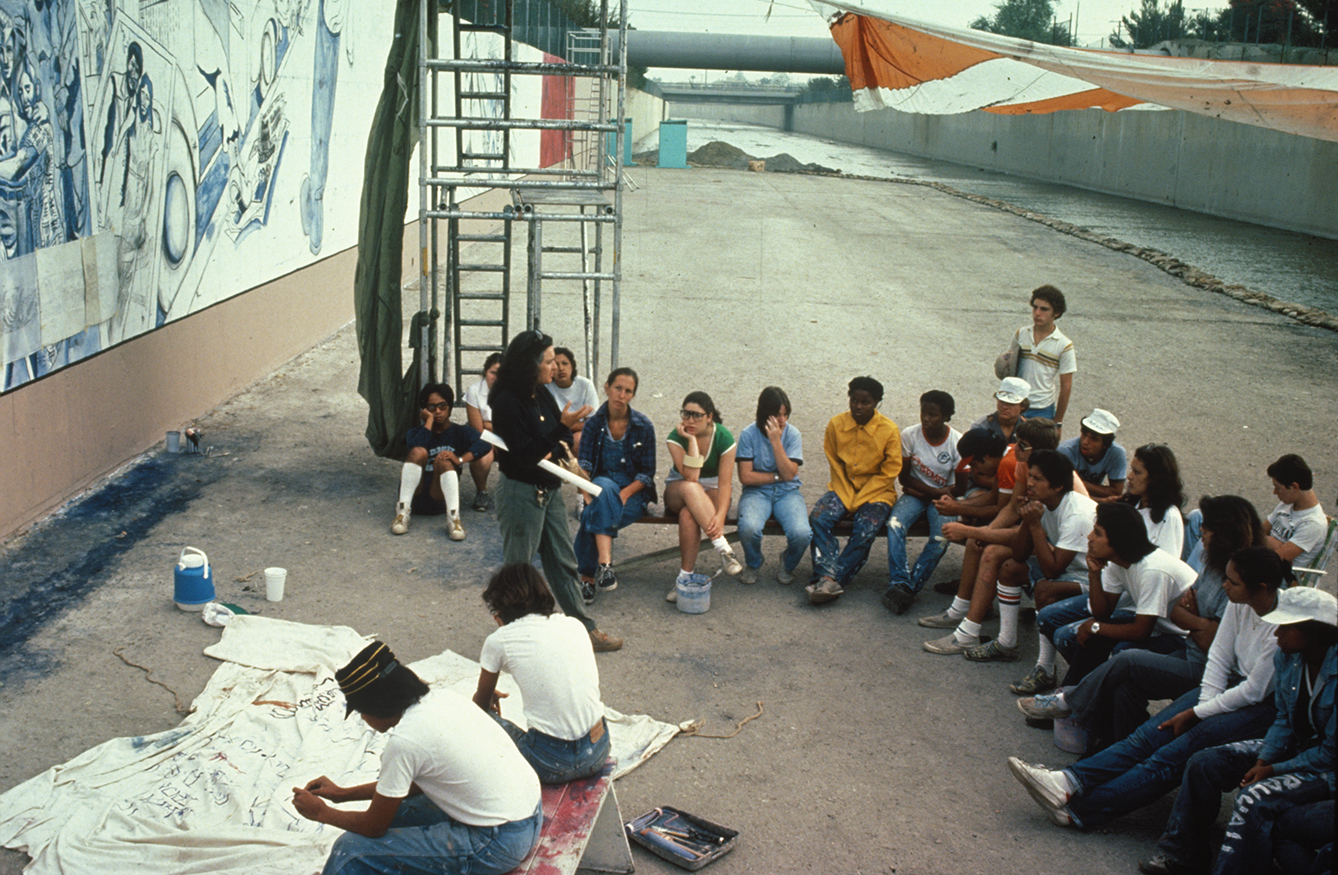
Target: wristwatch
{"points": [[1096, 628]]}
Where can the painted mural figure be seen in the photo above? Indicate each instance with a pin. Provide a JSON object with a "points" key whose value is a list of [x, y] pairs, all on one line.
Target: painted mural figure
{"points": [[33, 153], [120, 110], [127, 193]]}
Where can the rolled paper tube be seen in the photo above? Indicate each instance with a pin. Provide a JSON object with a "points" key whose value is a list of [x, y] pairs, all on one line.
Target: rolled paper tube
{"points": [[556, 470]]}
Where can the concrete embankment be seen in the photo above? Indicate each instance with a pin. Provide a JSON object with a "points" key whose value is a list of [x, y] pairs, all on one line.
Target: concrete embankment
{"points": [[1166, 157]]}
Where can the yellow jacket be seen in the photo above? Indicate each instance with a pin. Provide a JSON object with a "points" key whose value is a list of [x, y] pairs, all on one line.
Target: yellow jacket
{"points": [[864, 460]]}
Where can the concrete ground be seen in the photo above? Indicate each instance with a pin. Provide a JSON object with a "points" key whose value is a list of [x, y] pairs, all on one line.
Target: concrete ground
{"points": [[870, 755]]}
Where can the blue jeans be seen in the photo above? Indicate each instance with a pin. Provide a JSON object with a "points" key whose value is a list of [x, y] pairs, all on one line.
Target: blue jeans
{"points": [[556, 760], [1208, 774], [1149, 763], [756, 505], [1113, 699], [1060, 621], [1193, 535], [904, 513], [1250, 836], [423, 838], [842, 566], [605, 515], [1036, 412]]}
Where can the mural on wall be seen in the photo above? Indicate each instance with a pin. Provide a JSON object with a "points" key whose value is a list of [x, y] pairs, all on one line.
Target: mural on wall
{"points": [[158, 156]]}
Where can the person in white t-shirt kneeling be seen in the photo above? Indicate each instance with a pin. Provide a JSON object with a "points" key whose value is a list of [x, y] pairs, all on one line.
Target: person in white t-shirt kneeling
{"points": [[550, 657], [453, 796], [1296, 527]]}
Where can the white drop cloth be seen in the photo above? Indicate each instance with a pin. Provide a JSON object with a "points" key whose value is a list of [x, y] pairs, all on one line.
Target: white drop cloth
{"points": [[214, 794]]}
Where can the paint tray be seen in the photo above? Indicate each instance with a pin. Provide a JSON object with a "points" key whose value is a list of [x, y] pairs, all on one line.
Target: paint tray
{"points": [[686, 840]]}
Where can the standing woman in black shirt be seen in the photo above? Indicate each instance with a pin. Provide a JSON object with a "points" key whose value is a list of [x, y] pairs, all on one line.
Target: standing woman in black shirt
{"points": [[531, 511]]}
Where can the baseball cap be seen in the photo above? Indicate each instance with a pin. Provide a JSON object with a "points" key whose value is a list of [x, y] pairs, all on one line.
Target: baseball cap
{"points": [[1298, 604]]}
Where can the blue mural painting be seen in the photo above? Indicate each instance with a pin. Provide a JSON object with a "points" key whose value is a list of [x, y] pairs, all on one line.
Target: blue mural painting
{"points": [[142, 149]]}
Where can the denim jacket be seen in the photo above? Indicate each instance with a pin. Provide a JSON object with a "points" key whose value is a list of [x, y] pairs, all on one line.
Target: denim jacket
{"points": [[641, 449], [1281, 740]]}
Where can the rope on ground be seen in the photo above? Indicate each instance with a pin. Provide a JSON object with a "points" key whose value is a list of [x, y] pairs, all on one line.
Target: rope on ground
{"points": [[693, 728], [148, 675]]}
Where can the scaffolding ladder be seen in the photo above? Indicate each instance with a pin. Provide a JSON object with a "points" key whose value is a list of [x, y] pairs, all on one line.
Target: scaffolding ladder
{"points": [[474, 187]]}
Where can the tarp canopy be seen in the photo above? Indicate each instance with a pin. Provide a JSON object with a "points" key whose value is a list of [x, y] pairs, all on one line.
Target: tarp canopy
{"points": [[911, 66]]}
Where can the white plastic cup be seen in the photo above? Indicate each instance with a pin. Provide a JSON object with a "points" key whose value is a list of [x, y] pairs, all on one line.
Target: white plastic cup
{"points": [[174, 441], [274, 581]]}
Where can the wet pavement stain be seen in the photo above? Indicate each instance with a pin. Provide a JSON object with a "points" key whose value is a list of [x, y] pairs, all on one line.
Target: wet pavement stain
{"points": [[67, 557]]}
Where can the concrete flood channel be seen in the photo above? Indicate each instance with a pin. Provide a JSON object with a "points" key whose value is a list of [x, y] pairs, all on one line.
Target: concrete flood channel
{"points": [[1290, 267], [870, 755]]}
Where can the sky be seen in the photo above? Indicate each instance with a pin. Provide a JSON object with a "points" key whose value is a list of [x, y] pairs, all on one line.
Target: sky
{"points": [[1096, 18]]}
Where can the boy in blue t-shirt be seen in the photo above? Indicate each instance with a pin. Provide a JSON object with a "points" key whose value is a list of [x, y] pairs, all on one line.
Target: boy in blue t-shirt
{"points": [[438, 449]]}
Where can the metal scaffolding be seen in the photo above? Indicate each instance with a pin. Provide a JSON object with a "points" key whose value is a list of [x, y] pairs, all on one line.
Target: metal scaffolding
{"points": [[467, 150]]}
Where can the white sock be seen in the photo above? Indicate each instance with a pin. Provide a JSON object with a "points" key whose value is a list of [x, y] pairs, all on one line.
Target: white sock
{"points": [[410, 475], [959, 608], [967, 630], [450, 491], [1046, 659], [1010, 601], [720, 544], [684, 574]]}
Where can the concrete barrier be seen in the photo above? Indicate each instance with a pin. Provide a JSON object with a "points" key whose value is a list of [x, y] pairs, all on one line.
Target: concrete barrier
{"points": [[1167, 157]]}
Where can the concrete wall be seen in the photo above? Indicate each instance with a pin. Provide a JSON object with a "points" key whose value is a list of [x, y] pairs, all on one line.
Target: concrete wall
{"points": [[1167, 157], [645, 111]]}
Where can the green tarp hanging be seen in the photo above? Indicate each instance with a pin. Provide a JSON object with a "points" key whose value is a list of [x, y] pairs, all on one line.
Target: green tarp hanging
{"points": [[382, 380]]}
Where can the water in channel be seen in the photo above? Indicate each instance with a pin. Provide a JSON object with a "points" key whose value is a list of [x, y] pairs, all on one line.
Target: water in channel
{"points": [[1287, 265]]}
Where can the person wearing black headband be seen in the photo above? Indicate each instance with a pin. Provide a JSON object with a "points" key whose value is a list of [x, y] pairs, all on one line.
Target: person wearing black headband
{"points": [[454, 794]]}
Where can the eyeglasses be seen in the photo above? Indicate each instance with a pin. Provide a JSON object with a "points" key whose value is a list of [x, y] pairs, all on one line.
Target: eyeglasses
{"points": [[1023, 446], [692, 415], [436, 408]]}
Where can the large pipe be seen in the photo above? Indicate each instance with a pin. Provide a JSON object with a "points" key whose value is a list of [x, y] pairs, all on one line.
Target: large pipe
{"points": [[707, 51]]}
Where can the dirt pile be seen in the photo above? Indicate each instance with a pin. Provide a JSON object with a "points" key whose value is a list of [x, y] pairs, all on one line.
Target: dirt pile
{"points": [[721, 154]]}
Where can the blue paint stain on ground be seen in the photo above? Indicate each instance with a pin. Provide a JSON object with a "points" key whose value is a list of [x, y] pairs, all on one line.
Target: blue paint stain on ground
{"points": [[61, 561]]}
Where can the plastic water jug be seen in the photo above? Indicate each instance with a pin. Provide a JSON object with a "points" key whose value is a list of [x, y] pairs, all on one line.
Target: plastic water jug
{"points": [[194, 580]]}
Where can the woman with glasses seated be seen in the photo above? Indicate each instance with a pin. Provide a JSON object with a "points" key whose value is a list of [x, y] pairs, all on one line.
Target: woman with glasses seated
{"points": [[438, 451], [531, 512], [702, 449]]}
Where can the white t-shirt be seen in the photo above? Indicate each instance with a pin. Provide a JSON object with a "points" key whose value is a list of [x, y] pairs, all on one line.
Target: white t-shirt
{"points": [[1169, 534], [1067, 527], [579, 393], [461, 759], [935, 466], [476, 396], [1304, 528], [1150, 587], [554, 666], [1242, 648]]}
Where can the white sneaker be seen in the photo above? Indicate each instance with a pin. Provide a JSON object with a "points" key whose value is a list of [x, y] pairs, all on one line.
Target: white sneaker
{"points": [[454, 529], [402, 516], [783, 577], [730, 563], [1049, 789], [671, 596]]}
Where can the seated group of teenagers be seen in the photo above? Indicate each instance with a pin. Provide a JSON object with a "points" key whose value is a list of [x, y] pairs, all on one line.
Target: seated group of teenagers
{"points": [[1144, 603]]}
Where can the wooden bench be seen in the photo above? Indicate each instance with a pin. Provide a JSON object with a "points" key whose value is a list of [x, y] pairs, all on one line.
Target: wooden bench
{"points": [[583, 828], [920, 529]]}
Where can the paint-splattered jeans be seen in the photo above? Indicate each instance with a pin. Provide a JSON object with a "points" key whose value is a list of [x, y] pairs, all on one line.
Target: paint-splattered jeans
{"points": [[828, 560], [423, 838], [904, 514]]}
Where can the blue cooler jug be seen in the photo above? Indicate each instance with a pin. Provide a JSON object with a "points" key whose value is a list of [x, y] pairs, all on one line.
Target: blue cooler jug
{"points": [[194, 580]]}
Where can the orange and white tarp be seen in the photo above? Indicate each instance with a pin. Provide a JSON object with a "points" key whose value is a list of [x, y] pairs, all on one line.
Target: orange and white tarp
{"points": [[911, 66]]}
